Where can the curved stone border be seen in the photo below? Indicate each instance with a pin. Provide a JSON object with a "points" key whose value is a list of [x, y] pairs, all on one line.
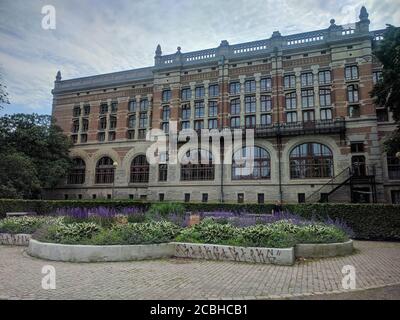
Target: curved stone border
{"points": [[323, 250], [14, 239]]}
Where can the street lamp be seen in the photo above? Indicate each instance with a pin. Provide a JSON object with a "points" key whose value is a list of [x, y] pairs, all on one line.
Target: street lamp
{"points": [[115, 165]]}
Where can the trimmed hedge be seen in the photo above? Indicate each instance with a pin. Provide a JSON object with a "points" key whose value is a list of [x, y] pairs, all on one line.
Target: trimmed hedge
{"points": [[368, 221]]}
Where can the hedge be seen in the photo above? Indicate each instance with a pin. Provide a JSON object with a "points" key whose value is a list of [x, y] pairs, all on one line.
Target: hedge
{"points": [[368, 221]]}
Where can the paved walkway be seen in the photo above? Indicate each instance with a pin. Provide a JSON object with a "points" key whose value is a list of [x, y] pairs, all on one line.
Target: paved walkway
{"points": [[377, 264]]}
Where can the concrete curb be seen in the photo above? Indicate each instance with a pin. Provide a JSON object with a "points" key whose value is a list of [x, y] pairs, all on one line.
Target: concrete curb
{"points": [[323, 250]]}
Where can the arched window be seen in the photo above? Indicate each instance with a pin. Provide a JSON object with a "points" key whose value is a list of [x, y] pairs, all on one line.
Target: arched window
{"points": [[255, 164], [311, 160], [200, 167], [393, 164], [139, 169], [105, 170], [77, 172]]}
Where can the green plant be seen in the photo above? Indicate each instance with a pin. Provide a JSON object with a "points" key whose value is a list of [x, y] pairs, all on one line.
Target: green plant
{"points": [[73, 233], [163, 210], [24, 224]]}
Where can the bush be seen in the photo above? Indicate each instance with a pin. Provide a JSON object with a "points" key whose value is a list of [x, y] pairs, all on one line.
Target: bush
{"points": [[166, 209], [73, 233], [26, 224]]}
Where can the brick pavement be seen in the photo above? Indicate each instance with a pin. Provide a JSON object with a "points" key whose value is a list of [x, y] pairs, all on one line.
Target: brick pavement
{"points": [[377, 264]]}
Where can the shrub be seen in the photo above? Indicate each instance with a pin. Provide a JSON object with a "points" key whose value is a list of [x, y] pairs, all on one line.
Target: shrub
{"points": [[319, 233], [73, 233], [166, 209], [24, 224]]}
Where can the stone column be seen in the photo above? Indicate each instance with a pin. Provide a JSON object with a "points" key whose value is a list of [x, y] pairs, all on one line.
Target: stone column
{"points": [[193, 89], [317, 114], [257, 77], [206, 83], [242, 103], [298, 94]]}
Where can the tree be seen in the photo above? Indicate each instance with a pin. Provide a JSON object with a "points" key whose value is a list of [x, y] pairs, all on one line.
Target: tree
{"points": [[37, 148], [386, 92], [3, 95]]}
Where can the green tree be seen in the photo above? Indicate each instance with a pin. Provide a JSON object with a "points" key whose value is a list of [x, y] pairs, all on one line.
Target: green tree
{"points": [[3, 94], [40, 151], [386, 92]]}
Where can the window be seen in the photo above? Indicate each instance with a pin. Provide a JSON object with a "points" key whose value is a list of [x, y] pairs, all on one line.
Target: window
{"points": [[199, 93], [352, 93], [308, 115], [351, 73], [187, 197], [142, 134], [74, 138], [234, 88], [161, 197], [324, 97], [199, 109], [311, 160], [75, 126], [251, 164], [289, 81], [131, 134], [185, 112], [114, 107], [103, 123], [301, 197], [165, 113], [199, 124], [143, 120], [144, 105], [291, 117], [94, 196], [382, 115], [162, 172], [132, 121], [86, 110], [212, 108], [307, 79], [85, 125], [185, 125], [212, 124], [307, 98], [250, 86], [113, 122], [200, 166], [266, 119], [186, 94], [101, 136], [250, 121], [165, 127], [393, 164], [240, 197], [235, 122], [139, 170], [166, 95], [77, 173], [395, 196], [260, 198], [376, 76], [324, 77], [266, 84], [250, 104], [204, 197], [213, 90], [105, 170], [326, 114], [354, 111], [266, 103], [83, 138], [357, 147], [103, 108], [291, 100], [111, 136], [76, 112], [235, 106], [132, 106]]}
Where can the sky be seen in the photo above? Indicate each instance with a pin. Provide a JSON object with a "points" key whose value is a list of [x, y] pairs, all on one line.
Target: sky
{"points": [[98, 36]]}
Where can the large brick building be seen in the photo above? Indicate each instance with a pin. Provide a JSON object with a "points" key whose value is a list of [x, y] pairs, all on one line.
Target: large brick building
{"points": [[318, 135]]}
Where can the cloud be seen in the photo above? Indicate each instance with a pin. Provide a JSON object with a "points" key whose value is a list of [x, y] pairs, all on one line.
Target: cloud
{"points": [[99, 36]]}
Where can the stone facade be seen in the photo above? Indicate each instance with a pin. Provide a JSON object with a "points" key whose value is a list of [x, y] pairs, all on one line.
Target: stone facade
{"points": [[143, 99]]}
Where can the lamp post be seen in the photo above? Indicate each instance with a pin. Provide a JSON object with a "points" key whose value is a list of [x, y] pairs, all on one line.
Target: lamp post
{"points": [[115, 165]]}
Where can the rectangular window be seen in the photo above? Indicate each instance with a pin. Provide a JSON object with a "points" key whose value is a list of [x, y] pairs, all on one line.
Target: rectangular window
{"points": [[213, 90], [301, 197], [376, 76], [266, 84], [307, 79], [240, 197], [198, 125], [266, 104], [326, 114], [103, 108], [185, 113], [260, 198], [212, 108], [291, 117], [85, 125], [351, 72], [165, 127], [352, 93], [204, 197], [143, 120], [103, 123], [144, 105], [250, 104], [357, 147], [94, 196], [187, 197], [142, 134], [199, 93], [354, 111], [162, 172], [132, 121], [74, 138], [86, 110], [165, 113], [250, 86], [212, 124], [382, 115], [308, 115], [131, 134], [83, 138], [234, 88], [161, 197], [132, 106], [199, 109], [395, 196], [324, 97], [235, 122], [166, 95], [266, 119], [235, 106], [307, 98], [75, 126], [114, 107], [185, 125], [186, 94], [250, 121], [101, 136], [324, 77], [113, 122], [291, 101], [289, 81], [111, 136], [76, 112]]}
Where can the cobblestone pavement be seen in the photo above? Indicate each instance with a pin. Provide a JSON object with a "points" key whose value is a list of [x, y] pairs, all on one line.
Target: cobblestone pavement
{"points": [[377, 264]]}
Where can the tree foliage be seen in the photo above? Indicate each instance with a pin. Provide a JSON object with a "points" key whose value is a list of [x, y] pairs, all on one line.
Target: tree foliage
{"points": [[33, 155], [3, 94]]}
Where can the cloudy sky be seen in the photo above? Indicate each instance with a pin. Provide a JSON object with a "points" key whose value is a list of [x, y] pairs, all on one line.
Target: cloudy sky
{"points": [[99, 36]]}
